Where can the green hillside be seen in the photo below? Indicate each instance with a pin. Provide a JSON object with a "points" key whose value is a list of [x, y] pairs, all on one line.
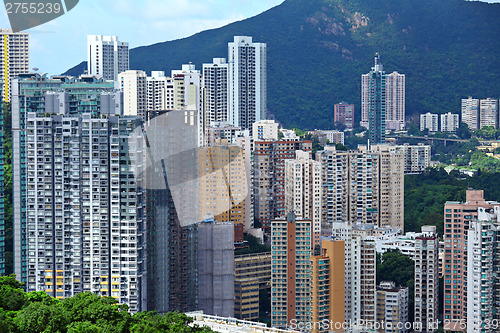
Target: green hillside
{"points": [[318, 49]]}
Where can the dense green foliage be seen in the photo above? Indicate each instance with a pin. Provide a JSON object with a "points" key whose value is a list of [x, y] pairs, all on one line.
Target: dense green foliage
{"points": [[318, 49], [36, 312], [426, 194], [395, 266]]}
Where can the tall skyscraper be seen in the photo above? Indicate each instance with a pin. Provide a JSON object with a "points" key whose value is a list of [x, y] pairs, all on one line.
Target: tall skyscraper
{"points": [[344, 114], [450, 122], [363, 186], [427, 279], [224, 190], [134, 87], [247, 81], [85, 218], [14, 53], [269, 178], [290, 293], [395, 101], [216, 268], [107, 56], [30, 94], [470, 113], [488, 113], [373, 103], [458, 217], [215, 87], [483, 294], [303, 191], [360, 274]]}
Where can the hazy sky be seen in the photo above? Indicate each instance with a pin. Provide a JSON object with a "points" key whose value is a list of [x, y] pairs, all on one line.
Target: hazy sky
{"points": [[58, 45]]}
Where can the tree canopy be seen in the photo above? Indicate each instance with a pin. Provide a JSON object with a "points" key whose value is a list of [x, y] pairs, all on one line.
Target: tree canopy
{"points": [[37, 312]]}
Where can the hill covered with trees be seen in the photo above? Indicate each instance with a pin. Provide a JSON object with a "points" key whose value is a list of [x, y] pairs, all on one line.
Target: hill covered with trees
{"points": [[318, 49]]}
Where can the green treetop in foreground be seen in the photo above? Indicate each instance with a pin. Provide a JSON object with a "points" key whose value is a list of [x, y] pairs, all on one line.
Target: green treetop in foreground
{"points": [[36, 312]]}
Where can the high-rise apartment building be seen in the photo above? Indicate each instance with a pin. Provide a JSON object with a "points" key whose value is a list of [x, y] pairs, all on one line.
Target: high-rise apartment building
{"points": [[488, 113], [303, 191], [62, 95], [85, 216], [215, 89], [134, 87], [247, 81], [426, 280], [265, 130], [395, 101], [172, 211], [269, 176], [429, 121], [458, 217], [327, 281], [392, 307], [344, 114], [470, 113], [373, 102], [106, 56], [14, 53], [216, 268], [417, 158], [359, 274], [362, 186], [188, 84], [252, 273], [450, 122], [291, 249], [224, 190], [382, 101], [160, 92], [483, 294]]}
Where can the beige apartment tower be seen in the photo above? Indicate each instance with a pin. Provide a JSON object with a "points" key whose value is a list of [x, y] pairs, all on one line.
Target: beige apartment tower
{"points": [[303, 190], [14, 53]]}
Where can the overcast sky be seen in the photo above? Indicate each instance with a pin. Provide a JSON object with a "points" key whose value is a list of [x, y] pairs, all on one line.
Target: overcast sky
{"points": [[60, 44]]}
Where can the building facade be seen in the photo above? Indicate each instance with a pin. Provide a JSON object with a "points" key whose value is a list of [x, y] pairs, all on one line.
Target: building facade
{"points": [[395, 101], [291, 249], [265, 130], [134, 87], [488, 113], [247, 81], [107, 56], [373, 102], [269, 176], [14, 53], [482, 272], [458, 217], [392, 307], [85, 218], [450, 122], [427, 280], [303, 191], [252, 273], [362, 186], [215, 90], [344, 114], [429, 121], [470, 113]]}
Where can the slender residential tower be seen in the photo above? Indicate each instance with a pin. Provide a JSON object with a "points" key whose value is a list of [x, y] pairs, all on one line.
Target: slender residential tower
{"points": [[247, 82], [373, 104]]}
